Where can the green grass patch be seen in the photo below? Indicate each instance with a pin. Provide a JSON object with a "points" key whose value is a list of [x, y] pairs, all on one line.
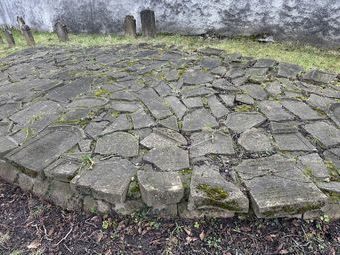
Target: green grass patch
{"points": [[306, 56]]}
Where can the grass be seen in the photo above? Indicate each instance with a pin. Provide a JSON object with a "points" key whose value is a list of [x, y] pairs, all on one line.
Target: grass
{"points": [[306, 56]]}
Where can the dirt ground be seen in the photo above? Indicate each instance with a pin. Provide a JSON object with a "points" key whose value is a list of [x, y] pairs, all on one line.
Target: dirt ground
{"points": [[31, 226]]}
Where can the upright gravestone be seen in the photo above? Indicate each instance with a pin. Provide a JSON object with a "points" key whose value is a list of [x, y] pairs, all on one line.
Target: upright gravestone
{"points": [[62, 31], [9, 37], [148, 23], [130, 26], [26, 31]]}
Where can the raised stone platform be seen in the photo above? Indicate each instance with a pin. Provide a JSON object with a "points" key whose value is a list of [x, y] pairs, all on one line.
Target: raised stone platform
{"points": [[187, 134]]}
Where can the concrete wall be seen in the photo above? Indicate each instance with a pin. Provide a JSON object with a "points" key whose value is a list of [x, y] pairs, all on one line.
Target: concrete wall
{"points": [[312, 21]]}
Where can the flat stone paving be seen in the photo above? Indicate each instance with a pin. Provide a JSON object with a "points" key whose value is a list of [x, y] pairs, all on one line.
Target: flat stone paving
{"points": [[181, 133]]}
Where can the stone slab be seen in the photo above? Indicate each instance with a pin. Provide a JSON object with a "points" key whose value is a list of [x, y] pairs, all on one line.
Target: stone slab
{"points": [[36, 155], [278, 188], [168, 158], [160, 188], [326, 134], [119, 143], [205, 143], [208, 190], [242, 121], [108, 180]]}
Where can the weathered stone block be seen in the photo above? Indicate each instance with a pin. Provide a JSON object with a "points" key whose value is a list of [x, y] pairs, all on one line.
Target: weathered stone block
{"points": [[278, 188], [118, 143], [242, 121], [130, 26], [8, 172], [108, 180], [160, 188], [205, 143], [168, 158], [209, 190], [46, 148], [148, 23]]}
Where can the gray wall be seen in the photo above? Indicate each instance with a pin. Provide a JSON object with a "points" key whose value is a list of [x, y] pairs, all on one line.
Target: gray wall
{"points": [[312, 21]]}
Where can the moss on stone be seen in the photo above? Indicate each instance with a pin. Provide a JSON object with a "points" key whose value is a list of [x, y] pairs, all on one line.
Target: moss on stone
{"points": [[244, 108], [214, 193], [102, 92], [186, 171], [333, 171], [134, 190]]}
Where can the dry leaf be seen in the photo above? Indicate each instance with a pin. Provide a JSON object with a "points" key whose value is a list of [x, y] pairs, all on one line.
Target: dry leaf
{"points": [[202, 236], [187, 231], [34, 245]]}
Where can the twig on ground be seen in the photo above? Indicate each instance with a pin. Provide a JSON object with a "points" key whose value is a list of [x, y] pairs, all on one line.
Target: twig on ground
{"points": [[64, 238]]}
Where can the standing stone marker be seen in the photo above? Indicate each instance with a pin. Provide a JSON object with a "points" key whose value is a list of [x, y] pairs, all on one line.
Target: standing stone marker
{"points": [[62, 32], [148, 23], [26, 31], [130, 26], [9, 37]]}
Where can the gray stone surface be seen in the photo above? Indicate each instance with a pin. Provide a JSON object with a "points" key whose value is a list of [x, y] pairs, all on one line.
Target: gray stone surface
{"points": [[255, 140], [293, 142], [160, 188], [62, 170], [286, 70], [193, 102], [319, 77], [46, 148], [324, 133], [242, 121], [274, 111], [141, 119], [335, 113], [302, 110], [198, 119], [162, 137], [76, 124], [208, 190], [217, 108], [278, 188], [315, 167], [168, 158], [119, 143], [228, 100], [121, 123], [177, 106], [206, 142], [284, 127], [255, 91], [194, 77], [108, 180]]}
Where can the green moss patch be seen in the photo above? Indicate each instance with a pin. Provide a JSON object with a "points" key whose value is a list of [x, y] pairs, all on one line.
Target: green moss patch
{"points": [[213, 193]]}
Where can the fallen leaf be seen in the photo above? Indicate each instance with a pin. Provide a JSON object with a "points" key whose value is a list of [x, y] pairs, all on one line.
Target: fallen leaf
{"points": [[202, 235], [187, 231], [100, 236], [35, 244], [246, 229], [284, 251]]}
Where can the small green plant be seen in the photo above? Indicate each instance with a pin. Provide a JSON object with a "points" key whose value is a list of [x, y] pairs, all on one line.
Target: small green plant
{"points": [[88, 161], [197, 225], [214, 242]]}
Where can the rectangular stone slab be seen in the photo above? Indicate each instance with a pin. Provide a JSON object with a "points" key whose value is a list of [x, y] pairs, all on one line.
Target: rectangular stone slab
{"points": [[46, 148], [108, 180], [278, 188]]}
